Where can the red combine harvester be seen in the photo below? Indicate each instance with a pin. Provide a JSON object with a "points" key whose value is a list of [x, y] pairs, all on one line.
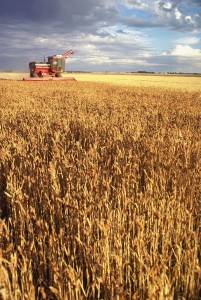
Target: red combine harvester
{"points": [[50, 70]]}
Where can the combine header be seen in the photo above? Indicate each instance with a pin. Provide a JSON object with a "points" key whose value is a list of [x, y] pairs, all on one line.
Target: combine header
{"points": [[53, 69]]}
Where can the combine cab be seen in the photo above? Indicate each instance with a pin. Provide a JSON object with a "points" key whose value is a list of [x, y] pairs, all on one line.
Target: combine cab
{"points": [[50, 70]]}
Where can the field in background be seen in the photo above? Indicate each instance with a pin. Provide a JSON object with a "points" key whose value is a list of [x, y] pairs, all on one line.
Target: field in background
{"points": [[100, 191], [191, 83], [185, 82]]}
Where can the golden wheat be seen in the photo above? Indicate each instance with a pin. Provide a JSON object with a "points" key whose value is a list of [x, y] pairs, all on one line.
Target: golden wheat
{"points": [[99, 191]]}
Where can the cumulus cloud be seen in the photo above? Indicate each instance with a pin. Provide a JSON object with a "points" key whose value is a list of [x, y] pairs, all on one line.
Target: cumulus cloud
{"points": [[186, 51], [183, 51], [175, 15]]}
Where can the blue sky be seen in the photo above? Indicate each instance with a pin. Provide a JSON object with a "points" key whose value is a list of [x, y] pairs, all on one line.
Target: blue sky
{"points": [[107, 35]]}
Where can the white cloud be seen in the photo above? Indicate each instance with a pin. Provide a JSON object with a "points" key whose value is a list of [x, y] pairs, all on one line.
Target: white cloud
{"points": [[189, 19], [42, 40], [165, 53], [140, 4], [188, 40], [168, 5], [184, 51], [178, 14]]}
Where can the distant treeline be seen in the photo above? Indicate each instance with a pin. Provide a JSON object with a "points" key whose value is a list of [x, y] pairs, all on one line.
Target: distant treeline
{"points": [[173, 73]]}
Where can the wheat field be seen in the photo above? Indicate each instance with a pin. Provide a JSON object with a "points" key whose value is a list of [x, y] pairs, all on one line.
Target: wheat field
{"points": [[99, 191]]}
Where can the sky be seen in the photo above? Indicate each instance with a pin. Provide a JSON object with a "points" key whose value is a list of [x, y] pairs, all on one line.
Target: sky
{"points": [[106, 35]]}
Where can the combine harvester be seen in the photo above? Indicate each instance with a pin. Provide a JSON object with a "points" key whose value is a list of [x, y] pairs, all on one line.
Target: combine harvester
{"points": [[53, 69]]}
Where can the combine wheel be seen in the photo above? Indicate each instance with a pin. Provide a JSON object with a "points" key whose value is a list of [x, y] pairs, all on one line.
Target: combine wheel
{"points": [[34, 75], [40, 74], [58, 75]]}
